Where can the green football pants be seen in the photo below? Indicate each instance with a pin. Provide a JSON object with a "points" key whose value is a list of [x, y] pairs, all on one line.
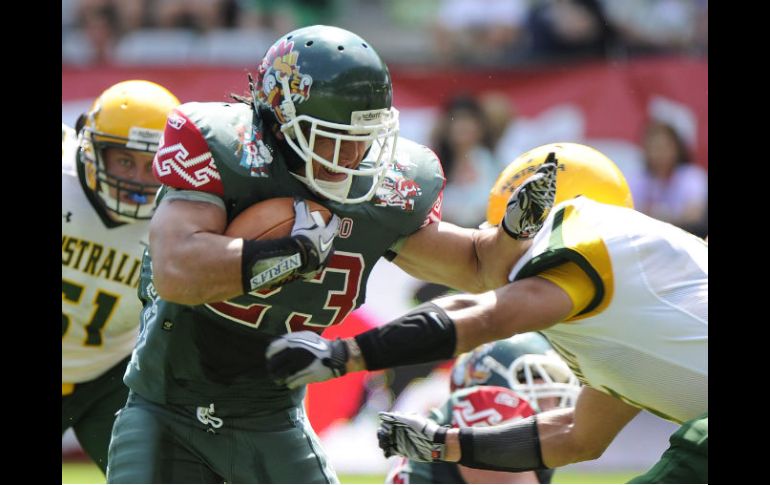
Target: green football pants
{"points": [[90, 411], [686, 459], [153, 443]]}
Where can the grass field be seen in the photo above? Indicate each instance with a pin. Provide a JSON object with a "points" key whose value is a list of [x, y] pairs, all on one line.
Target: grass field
{"points": [[76, 472]]}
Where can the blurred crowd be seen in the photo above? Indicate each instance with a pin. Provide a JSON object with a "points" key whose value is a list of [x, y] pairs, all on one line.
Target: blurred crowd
{"points": [[436, 32], [475, 136]]}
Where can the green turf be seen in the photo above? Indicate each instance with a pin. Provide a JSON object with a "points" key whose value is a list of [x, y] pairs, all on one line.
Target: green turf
{"points": [[76, 472]]}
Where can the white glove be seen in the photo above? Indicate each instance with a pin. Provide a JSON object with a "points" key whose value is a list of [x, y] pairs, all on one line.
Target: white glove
{"points": [[412, 436], [530, 203], [314, 237], [299, 358]]}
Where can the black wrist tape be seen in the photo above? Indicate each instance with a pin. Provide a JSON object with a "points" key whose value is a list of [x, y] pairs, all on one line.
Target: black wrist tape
{"points": [[266, 263], [425, 334], [510, 447]]}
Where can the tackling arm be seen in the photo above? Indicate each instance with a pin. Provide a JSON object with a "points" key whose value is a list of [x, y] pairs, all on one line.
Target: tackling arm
{"points": [[565, 436], [479, 260], [550, 439], [426, 334], [474, 475], [585, 431], [473, 260], [522, 306]]}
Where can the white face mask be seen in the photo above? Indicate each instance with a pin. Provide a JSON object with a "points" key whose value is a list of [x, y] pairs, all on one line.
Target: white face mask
{"points": [[378, 128]]}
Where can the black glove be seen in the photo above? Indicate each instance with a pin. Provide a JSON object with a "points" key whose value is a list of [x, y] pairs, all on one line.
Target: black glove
{"points": [[529, 204], [299, 358]]}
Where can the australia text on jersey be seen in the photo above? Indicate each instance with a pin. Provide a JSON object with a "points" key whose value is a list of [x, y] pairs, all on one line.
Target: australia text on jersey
{"points": [[100, 260]]}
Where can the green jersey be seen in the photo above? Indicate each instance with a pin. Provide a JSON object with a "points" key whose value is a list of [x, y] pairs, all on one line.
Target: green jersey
{"points": [[215, 352]]}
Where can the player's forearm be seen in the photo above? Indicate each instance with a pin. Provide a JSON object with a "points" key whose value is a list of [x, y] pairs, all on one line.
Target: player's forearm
{"points": [[433, 331], [201, 268], [557, 444], [442, 253], [471, 260], [425, 334], [497, 253]]}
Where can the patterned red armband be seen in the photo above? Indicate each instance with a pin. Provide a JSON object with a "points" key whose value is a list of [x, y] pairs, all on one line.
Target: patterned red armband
{"points": [[183, 160]]}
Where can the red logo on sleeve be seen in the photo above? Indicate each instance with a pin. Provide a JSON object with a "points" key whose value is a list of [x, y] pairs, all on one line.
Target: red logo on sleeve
{"points": [[435, 212], [183, 160]]}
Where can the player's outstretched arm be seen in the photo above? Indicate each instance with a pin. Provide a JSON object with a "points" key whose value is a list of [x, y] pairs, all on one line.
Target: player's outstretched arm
{"points": [[478, 260], [550, 439], [431, 332]]}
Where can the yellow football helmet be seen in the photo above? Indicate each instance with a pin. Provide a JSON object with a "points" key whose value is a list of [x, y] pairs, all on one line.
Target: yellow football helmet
{"points": [[130, 115], [582, 170]]}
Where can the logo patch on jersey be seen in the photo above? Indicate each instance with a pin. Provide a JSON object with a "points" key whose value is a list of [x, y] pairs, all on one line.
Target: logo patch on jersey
{"points": [[396, 190], [280, 62], [175, 121], [435, 212], [255, 155]]}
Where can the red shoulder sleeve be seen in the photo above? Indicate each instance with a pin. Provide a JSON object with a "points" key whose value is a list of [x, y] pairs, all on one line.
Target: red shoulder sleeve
{"points": [[183, 160]]}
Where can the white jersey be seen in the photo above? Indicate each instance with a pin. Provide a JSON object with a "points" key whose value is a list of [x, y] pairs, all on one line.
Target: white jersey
{"points": [[100, 274], [644, 337]]}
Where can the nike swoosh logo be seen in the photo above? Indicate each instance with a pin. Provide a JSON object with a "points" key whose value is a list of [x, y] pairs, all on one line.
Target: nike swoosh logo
{"points": [[308, 344], [436, 319], [325, 245]]}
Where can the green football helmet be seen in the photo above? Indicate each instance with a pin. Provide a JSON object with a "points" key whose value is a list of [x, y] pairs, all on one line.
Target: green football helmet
{"points": [[525, 363], [326, 81]]}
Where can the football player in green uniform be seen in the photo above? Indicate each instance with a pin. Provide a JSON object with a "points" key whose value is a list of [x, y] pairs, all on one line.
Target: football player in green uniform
{"points": [[319, 125], [496, 383], [107, 199], [622, 297]]}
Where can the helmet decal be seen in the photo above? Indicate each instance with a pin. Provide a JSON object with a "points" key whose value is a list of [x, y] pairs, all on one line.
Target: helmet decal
{"points": [[351, 101], [280, 62], [255, 155], [525, 363]]}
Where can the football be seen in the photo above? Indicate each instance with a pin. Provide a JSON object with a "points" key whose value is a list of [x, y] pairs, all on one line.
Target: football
{"points": [[271, 219]]}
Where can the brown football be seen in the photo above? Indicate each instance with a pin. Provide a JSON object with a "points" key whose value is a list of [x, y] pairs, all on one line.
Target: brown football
{"points": [[270, 219]]}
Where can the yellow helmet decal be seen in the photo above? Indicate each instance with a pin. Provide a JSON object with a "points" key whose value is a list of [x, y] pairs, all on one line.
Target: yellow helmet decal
{"points": [[582, 170]]}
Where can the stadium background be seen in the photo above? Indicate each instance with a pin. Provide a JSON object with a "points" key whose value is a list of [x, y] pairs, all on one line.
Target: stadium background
{"points": [[602, 98]]}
